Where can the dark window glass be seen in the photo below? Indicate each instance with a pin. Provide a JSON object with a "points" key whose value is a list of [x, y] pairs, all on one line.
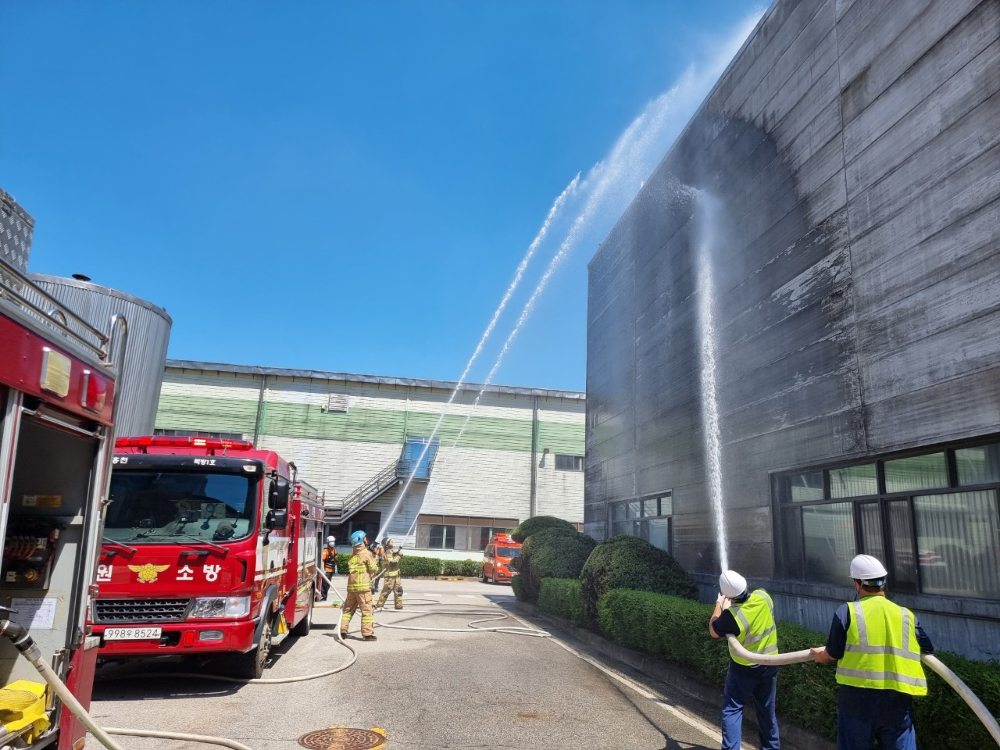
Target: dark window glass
{"points": [[508, 552], [803, 487], [854, 481], [569, 463], [828, 541], [978, 465], [792, 542], [904, 559], [957, 545], [872, 541], [916, 473], [658, 533], [441, 537]]}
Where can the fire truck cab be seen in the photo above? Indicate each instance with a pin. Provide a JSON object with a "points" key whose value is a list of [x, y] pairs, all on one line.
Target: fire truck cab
{"points": [[57, 396], [210, 547]]}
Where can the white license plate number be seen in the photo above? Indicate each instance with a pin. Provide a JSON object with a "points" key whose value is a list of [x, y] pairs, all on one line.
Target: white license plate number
{"points": [[132, 634]]}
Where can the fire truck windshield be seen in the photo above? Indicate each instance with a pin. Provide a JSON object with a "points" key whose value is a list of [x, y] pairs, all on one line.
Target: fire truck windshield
{"points": [[153, 507]]}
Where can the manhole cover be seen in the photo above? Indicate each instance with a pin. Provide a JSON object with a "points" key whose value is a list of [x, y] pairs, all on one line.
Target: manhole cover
{"points": [[343, 738]]}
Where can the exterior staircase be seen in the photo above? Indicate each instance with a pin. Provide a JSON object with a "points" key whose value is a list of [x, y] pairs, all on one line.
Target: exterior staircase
{"points": [[395, 473]]}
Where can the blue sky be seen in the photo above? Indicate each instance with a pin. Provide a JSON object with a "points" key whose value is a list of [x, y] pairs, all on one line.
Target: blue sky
{"points": [[346, 186]]}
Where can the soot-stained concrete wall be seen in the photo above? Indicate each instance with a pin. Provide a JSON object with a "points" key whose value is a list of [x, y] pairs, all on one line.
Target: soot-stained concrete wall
{"points": [[851, 153]]}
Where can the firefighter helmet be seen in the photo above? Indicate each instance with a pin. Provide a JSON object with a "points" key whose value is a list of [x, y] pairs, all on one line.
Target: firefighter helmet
{"points": [[358, 537]]}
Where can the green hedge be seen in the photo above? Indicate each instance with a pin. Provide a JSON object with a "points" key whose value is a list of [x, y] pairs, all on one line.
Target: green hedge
{"points": [[627, 562], [515, 584], [468, 568], [534, 525], [411, 567], [677, 630], [561, 596], [552, 553]]}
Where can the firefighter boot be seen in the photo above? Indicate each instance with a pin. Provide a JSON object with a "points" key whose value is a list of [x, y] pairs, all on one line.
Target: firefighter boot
{"points": [[371, 637]]}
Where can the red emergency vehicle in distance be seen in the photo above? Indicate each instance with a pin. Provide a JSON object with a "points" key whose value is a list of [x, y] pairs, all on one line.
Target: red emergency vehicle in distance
{"points": [[499, 554], [209, 546]]}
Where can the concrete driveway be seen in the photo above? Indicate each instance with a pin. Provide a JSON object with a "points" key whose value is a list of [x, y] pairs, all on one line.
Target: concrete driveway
{"points": [[426, 689]]}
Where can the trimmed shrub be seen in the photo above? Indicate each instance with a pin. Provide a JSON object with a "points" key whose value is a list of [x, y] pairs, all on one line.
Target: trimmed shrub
{"points": [[627, 562], [561, 597], [552, 553], [411, 567], [468, 568], [676, 630], [534, 525], [515, 584]]}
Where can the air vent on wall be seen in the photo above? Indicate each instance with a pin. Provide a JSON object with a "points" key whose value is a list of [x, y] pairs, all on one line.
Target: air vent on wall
{"points": [[338, 403]]}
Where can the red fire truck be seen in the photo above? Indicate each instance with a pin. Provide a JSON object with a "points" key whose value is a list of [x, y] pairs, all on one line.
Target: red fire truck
{"points": [[57, 397], [210, 547]]}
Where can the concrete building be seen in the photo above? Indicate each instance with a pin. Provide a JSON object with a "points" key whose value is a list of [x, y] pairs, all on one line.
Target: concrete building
{"points": [[832, 211], [357, 438]]}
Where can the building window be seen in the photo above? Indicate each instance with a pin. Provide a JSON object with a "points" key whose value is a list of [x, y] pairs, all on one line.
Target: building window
{"points": [[931, 518], [197, 433], [460, 532], [368, 521], [649, 518], [569, 463]]}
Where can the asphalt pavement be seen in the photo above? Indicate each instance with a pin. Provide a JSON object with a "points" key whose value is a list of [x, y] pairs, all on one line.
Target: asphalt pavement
{"points": [[426, 689]]}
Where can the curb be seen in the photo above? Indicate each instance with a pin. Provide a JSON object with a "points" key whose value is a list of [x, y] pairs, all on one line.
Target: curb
{"points": [[793, 737]]}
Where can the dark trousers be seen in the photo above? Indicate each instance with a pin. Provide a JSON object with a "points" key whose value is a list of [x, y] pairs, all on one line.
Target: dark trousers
{"points": [[742, 683], [864, 715], [325, 585]]}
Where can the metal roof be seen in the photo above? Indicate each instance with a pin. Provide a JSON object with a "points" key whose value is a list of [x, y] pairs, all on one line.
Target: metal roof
{"points": [[347, 377]]}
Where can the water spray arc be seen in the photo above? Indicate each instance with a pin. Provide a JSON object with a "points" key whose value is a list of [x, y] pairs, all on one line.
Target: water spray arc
{"points": [[518, 275], [707, 224]]}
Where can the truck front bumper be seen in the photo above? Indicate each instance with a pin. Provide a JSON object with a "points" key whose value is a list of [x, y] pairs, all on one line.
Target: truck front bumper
{"points": [[184, 637]]}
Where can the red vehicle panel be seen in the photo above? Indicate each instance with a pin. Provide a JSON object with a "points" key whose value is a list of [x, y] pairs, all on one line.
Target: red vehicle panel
{"points": [[497, 559]]}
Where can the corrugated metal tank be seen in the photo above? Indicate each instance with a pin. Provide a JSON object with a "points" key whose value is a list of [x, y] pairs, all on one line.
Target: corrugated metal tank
{"points": [[148, 334]]}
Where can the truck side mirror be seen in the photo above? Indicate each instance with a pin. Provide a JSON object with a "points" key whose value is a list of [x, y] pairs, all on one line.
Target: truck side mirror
{"points": [[278, 498], [276, 519]]}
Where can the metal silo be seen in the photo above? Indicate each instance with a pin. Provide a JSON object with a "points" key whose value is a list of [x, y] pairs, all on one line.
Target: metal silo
{"points": [[149, 331]]}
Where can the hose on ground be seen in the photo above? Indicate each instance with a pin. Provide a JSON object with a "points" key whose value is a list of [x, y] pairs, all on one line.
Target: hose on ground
{"points": [[966, 694], [509, 629], [206, 738]]}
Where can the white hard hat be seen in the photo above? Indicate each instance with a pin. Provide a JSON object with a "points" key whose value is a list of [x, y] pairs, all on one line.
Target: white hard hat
{"points": [[331, 540], [867, 568], [732, 584]]}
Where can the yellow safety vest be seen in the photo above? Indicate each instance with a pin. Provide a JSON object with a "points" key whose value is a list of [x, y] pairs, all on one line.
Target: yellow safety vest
{"points": [[882, 652], [755, 617]]}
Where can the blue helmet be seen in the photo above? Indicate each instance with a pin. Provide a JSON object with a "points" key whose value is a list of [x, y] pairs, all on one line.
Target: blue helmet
{"points": [[358, 537]]}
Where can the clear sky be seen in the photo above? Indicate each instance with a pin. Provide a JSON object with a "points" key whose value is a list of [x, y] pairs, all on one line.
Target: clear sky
{"points": [[346, 186]]}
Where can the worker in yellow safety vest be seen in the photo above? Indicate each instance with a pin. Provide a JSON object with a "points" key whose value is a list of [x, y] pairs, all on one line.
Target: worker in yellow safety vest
{"points": [[390, 560], [877, 647], [361, 567], [749, 616]]}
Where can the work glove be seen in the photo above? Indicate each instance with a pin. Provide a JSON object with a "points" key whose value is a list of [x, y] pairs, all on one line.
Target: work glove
{"points": [[722, 602]]}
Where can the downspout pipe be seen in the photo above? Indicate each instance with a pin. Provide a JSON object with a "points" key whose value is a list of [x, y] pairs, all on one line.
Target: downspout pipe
{"points": [[533, 502], [798, 657], [260, 410]]}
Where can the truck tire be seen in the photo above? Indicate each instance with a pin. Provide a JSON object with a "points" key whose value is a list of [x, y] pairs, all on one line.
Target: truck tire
{"points": [[305, 624], [250, 666]]}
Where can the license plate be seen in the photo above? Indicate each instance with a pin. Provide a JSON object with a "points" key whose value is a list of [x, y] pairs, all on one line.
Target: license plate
{"points": [[132, 634]]}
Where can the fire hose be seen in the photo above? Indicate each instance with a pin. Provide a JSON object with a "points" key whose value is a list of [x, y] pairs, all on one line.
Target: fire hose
{"points": [[798, 657]]}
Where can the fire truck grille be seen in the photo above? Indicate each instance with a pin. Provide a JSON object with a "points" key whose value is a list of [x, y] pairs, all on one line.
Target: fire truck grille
{"points": [[113, 611]]}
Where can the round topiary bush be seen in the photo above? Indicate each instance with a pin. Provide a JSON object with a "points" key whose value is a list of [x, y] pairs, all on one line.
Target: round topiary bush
{"points": [[536, 524], [551, 553], [627, 562]]}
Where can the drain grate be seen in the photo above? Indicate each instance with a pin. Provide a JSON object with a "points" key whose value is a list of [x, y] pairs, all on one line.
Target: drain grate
{"points": [[343, 738]]}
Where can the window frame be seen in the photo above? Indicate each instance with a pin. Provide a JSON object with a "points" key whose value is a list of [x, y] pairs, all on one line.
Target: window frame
{"points": [[641, 522], [576, 460], [784, 508]]}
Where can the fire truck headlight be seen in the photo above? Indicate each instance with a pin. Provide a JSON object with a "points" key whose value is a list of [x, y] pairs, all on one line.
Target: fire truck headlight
{"points": [[220, 606]]}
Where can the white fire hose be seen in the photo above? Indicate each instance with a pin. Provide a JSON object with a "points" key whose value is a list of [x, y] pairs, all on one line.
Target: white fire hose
{"points": [[798, 657]]}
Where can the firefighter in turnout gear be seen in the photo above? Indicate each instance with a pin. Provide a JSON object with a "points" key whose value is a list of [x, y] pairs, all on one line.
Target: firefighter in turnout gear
{"points": [[390, 575], [877, 647], [329, 565], [361, 567], [749, 616]]}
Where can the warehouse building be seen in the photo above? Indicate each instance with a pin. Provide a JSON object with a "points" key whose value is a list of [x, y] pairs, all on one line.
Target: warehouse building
{"points": [[829, 217], [357, 438]]}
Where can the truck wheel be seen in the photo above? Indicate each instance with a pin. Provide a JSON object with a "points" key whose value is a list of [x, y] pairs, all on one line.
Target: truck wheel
{"points": [[305, 624], [482, 575], [250, 665]]}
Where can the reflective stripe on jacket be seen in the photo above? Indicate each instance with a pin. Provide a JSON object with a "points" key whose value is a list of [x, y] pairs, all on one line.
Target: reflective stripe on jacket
{"points": [[755, 617], [360, 568], [391, 563], [882, 652]]}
